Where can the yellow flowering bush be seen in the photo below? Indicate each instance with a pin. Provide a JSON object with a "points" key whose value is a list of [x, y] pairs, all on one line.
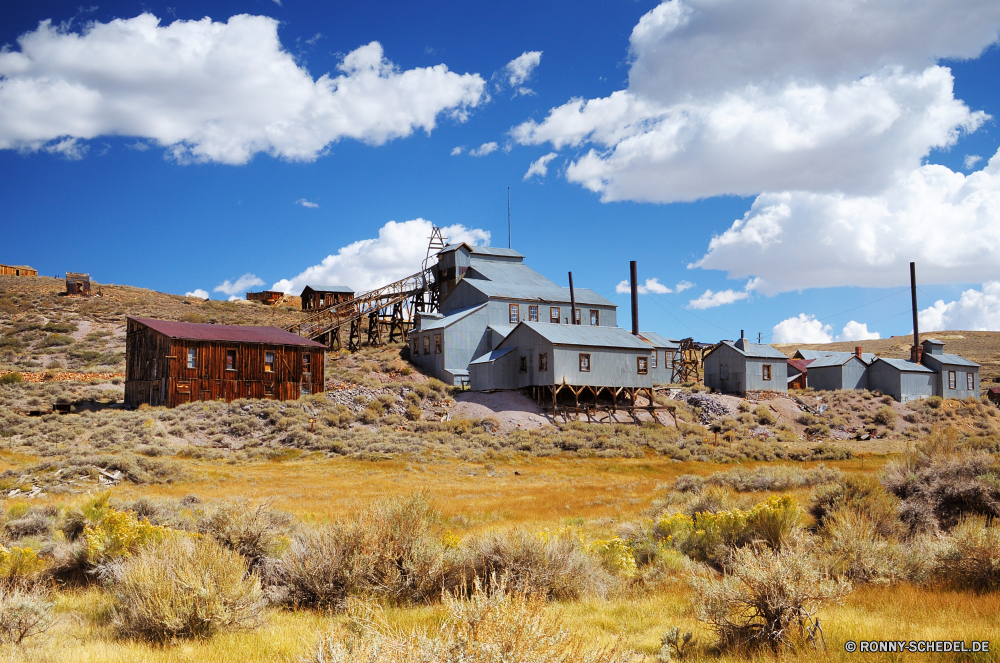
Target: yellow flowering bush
{"points": [[450, 540], [18, 565], [119, 534], [568, 532], [615, 555]]}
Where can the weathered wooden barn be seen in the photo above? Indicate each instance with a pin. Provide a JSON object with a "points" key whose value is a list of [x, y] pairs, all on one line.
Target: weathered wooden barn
{"points": [[169, 363], [739, 367], [17, 270], [316, 297], [267, 297], [77, 283]]}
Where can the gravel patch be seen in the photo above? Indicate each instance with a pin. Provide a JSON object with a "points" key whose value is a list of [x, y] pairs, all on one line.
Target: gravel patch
{"points": [[512, 409]]}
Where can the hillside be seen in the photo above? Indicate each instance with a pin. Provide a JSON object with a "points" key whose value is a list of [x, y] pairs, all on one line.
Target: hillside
{"points": [[979, 346]]}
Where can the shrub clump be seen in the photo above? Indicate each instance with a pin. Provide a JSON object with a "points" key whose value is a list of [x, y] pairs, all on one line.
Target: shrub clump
{"points": [[183, 588], [861, 494], [24, 613], [971, 559]]}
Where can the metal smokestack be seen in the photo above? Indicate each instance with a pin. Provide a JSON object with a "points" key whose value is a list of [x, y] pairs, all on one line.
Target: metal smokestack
{"points": [[572, 301], [915, 350], [635, 298]]}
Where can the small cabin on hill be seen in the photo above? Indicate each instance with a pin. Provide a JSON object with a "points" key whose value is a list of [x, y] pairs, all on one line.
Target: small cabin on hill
{"points": [[77, 283], [267, 297], [957, 377], [17, 270], [317, 297], [168, 363], [736, 368]]}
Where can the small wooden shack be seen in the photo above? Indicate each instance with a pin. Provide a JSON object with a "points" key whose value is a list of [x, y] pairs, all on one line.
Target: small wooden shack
{"points": [[267, 297], [317, 297], [169, 363], [17, 270], [77, 283]]}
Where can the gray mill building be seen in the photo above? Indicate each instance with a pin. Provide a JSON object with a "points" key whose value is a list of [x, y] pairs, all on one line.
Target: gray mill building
{"points": [[502, 325]]}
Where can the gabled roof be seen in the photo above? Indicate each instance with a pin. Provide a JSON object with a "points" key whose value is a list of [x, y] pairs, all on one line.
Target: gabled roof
{"points": [[226, 333], [491, 356], [951, 360], [801, 364], [503, 330], [658, 341], [451, 318], [483, 250], [329, 288], [867, 357], [755, 350], [533, 293], [905, 365], [585, 335], [839, 359], [74, 276]]}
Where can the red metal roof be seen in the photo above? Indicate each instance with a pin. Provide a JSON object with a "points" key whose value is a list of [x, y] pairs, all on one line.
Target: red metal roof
{"points": [[232, 333], [995, 390], [800, 364]]}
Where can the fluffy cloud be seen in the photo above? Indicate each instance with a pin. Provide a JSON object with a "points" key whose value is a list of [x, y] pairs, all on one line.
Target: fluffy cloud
{"points": [[307, 203], [367, 264], [197, 292], [236, 289], [801, 329], [949, 223], [519, 70], [483, 150], [683, 285], [857, 331], [212, 91], [975, 310], [455, 151], [711, 299], [971, 160], [540, 167], [651, 286]]}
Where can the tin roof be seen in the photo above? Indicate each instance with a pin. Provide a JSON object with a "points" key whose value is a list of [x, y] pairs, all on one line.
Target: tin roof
{"points": [[329, 288], [801, 364], [503, 330], [756, 350], [232, 333], [483, 250], [491, 356], [906, 365], [658, 341], [608, 337], [77, 275], [839, 359], [450, 319], [952, 360]]}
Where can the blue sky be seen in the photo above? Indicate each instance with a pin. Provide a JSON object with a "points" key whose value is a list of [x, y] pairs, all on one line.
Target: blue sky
{"points": [[175, 147]]}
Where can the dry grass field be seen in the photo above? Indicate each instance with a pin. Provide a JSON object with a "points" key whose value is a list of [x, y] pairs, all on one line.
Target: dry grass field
{"points": [[244, 532]]}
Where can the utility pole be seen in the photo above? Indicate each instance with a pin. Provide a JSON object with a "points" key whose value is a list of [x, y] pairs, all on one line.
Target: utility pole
{"points": [[508, 217], [758, 338], [915, 351]]}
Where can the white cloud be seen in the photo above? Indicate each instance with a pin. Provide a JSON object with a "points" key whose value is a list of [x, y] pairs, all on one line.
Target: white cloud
{"points": [[455, 151], [949, 223], [711, 299], [801, 329], [236, 289], [683, 285], [306, 203], [651, 286], [197, 292], [483, 150], [212, 91], [971, 160], [540, 166], [519, 69], [975, 310], [857, 331], [367, 264]]}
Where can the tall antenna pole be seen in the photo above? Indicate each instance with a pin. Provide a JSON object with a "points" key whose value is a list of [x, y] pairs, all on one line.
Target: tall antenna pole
{"points": [[508, 217], [914, 355]]}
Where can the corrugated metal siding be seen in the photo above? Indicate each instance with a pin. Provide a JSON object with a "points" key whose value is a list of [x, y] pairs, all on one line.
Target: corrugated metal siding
{"points": [[744, 373], [826, 378], [755, 374], [502, 373], [901, 385], [855, 374]]}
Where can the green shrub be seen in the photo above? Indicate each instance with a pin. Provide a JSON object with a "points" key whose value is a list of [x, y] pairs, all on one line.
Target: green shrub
{"points": [[255, 531], [55, 340], [764, 415], [414, 413], [862, 494], [11, 378], [854, 548], [971, 559], [182, 588], [885, 416]]}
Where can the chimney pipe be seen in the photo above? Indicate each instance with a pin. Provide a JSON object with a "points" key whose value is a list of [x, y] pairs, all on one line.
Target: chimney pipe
{"points": [[857, 352], [635, 298], [915, 350], [572, 301]]}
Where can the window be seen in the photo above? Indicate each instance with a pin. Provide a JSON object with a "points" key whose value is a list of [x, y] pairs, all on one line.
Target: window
{"points": [[306, 362], [595, 317], [515, 314], [652, 359], [952, 380], [268, 362], [416, 346], [522, 365], [230, 360], [543, 362], [192, 358], [305, 389], [577, 316], [584, 363], [767, 372], [643, 365], [437, 344], [554, 314], [970, 381], [427, 345], [532, 314], [724, 372]]}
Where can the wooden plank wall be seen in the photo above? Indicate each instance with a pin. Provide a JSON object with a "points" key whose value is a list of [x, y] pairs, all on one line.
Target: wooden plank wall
{"points": [[156, 370], [8, 270]]}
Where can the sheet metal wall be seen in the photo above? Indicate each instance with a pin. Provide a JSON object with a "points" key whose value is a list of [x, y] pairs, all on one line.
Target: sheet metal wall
{"points": [[851, 375], [500, 373], [745, 373], [901, 385], [960, 376], [156, 370]]}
